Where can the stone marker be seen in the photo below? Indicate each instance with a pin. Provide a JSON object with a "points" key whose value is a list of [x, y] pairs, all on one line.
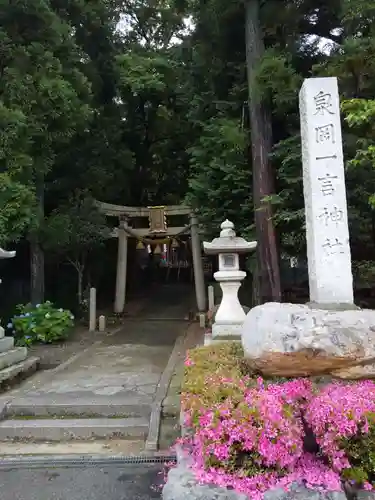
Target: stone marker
{"points": [[327, 234], [102, 325], [211, 298], [202, 320], [328, 335], [92, 310]]}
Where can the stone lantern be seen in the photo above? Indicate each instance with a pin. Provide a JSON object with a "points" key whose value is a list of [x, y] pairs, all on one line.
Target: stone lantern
{"points": [[4, 254], [230, 315]]}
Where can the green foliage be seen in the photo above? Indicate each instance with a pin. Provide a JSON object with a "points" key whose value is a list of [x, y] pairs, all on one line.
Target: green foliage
{"points": [[41, 85], [43, 323], [73, 231], [360, 115], [76, 228], [220, 179], [144, 72], [277, 78], [360, 451], [288, 203], [17, 209], [154, 111]]}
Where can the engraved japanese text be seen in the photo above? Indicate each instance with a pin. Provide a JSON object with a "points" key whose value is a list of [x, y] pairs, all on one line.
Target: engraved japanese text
{"points": [[325, 133], [333, 246], [327, 184], [335, 215], [323, 103]]}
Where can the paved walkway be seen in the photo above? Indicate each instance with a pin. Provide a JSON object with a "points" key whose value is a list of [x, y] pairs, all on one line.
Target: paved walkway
{"points": [[116, 379], [126, 366], [79, 483]]}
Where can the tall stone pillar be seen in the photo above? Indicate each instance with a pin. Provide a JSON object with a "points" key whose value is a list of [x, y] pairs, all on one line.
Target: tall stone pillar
{"points": [[122, 258], [200, 290]]}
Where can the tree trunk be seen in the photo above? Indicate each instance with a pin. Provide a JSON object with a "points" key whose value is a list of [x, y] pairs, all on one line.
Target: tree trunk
{"points": [[36, 271], [263, 183], [36, 251], [80, 286]]}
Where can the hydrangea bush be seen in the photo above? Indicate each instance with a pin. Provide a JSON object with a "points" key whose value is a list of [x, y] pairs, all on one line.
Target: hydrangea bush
{"points": [[249, 434], [42, 323]]}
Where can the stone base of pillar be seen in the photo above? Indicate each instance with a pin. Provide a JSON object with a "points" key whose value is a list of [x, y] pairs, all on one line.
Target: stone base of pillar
{"points": [[223, 332]]}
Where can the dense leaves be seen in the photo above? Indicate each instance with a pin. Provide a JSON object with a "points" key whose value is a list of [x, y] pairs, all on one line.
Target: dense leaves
{"points": [[147, 103]]}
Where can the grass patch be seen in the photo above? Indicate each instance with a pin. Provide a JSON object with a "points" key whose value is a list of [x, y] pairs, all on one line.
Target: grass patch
{"points": [[219, 371], [214, 373]]}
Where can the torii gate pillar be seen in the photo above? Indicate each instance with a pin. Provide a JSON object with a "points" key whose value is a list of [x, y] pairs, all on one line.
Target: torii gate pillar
{"points": [[200, 289], [122, 260]]}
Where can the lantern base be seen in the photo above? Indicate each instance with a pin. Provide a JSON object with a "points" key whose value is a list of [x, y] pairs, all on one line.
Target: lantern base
{"points": [[226, 332]]}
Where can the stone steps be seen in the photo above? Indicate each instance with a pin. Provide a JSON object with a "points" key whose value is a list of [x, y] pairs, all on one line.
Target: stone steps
{"points": [[25, 367], [12, 357], [62, 407], [6, 344], [73, 429], [59, 419]]}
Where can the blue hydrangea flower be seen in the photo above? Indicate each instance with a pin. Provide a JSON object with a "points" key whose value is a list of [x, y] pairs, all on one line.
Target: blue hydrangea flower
{"points": [[27, 315], [10, 324], [22, 316], [27, 337], [38, 305]]}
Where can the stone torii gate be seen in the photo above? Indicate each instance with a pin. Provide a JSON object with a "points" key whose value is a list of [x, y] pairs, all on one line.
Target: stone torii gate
{"points": [[158, 217]]}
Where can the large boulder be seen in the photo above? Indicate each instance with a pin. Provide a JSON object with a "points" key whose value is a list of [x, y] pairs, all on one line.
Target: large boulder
{"points": [[297, 340]]}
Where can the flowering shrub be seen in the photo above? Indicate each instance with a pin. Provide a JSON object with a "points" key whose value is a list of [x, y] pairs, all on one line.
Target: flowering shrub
{"points": [[43, 323], [342, 417], [255, 442], [250, 434]]}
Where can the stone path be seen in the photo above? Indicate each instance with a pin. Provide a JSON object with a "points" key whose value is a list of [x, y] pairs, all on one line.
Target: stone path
{"points": [[106, 391], [140, 482]]}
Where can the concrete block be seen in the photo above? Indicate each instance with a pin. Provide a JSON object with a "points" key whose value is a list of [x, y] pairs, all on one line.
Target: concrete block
{"points": [[25, 367], [12, 357], [6, 343]]}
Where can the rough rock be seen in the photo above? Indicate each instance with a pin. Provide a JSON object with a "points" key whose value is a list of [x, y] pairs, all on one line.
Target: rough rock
{"points": [[182, 485], [356, 372], [298, 492], [298, 340], [366, 495]]}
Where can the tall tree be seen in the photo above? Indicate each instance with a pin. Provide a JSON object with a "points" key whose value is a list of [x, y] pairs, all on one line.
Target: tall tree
{"points": [[40, 81], [263, 179]]}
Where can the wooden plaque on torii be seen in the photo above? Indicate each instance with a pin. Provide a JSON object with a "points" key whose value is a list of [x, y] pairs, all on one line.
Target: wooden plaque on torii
{"points": [[157, 220]]}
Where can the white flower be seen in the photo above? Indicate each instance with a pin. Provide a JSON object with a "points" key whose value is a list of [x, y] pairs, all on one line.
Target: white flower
{"points": [[47, 315]]}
